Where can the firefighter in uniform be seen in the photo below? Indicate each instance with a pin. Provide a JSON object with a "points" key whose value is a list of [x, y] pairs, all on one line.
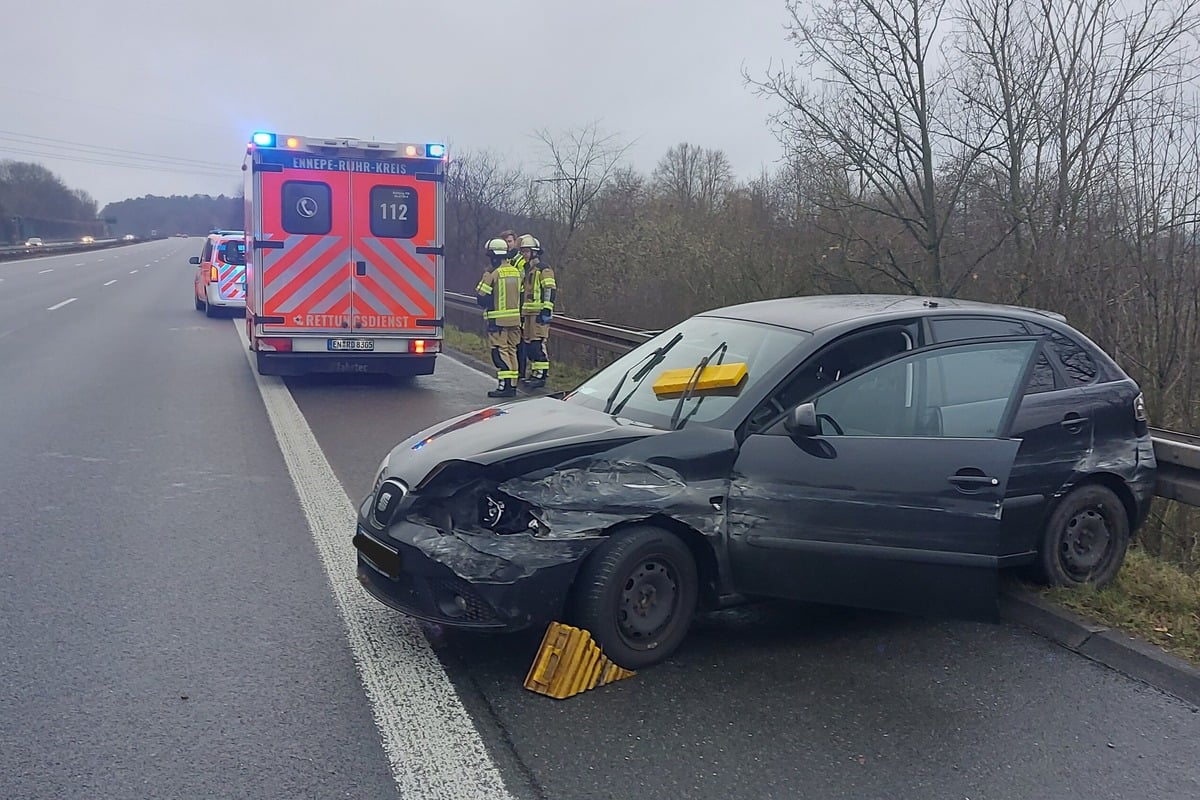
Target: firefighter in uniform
{"points": [[518, 254], [537, 309], [499, 293]]}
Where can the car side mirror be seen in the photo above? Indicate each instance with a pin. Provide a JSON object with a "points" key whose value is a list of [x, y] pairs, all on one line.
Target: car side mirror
{"points": [[194, 260], [802, 421]]}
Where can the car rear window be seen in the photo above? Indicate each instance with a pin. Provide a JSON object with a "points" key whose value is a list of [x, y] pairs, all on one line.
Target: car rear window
{"points": [[232, 252]]}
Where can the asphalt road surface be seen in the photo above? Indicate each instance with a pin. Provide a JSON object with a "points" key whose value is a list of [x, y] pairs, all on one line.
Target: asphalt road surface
{"points": [[178, 616]]}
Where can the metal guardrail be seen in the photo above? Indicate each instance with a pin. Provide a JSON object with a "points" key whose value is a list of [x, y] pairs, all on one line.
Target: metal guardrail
{"points": [[595, 334], [1178, 453]]}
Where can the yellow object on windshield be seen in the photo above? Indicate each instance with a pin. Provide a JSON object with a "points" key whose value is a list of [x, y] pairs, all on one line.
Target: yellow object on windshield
{"points": [[715, 379]]}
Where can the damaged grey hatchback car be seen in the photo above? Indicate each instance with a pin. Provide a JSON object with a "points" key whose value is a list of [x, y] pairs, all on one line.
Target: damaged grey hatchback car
{"points": [[876, 451]]}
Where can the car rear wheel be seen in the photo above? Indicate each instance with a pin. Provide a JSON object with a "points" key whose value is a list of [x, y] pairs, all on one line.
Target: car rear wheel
{"points": [[1085, 539], [636, 595], [199, 305]]}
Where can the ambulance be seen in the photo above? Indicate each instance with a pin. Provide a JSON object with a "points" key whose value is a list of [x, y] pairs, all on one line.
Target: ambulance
{"points": [[344, 261]]}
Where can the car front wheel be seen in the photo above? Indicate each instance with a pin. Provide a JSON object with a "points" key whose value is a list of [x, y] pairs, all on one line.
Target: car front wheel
{"points": [[1085, 538], [636, 595]]}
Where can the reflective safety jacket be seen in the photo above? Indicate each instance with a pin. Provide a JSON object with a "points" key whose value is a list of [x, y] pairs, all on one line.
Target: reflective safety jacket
{"points": [[499, 292], [540, 289]]}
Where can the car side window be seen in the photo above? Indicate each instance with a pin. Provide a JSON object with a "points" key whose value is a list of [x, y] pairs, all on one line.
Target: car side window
{"points": [[952, 329], [833, 363], [963, 391], [1041, 378], [206, 253], [1077, 365]]}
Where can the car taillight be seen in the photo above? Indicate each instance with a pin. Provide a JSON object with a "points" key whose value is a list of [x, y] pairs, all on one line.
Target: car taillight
{"points": [[1141, 421], [424, 346], [277, 345], [212, 275]]}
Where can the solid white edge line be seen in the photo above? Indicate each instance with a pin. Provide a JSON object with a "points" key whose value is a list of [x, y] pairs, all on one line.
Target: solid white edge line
{"points": [[429, 738], [44, 271], [110, 283], [57, 306]]}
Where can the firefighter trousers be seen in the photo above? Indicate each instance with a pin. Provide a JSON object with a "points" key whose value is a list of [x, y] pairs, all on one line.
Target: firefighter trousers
{"points": [[504, 342], [534, 335]]}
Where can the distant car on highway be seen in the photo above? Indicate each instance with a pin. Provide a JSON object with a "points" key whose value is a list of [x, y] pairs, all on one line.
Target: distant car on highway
{"points": [[34, 241], [874, 451], [88, 240], [129, 237]]}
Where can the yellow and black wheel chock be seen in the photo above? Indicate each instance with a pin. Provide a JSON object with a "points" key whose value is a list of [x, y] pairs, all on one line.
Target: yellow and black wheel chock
{"points": [[569, 662]]}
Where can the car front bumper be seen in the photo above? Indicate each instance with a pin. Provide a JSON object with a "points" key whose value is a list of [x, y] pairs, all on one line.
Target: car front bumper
{"points": [[479, 581]]}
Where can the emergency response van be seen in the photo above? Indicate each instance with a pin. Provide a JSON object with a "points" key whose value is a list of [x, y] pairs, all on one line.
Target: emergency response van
{"points": [[344, 254], [220, 280]]}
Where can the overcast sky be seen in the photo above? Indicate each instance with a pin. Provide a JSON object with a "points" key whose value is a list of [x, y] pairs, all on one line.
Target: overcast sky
{"points": [[133, 83]]}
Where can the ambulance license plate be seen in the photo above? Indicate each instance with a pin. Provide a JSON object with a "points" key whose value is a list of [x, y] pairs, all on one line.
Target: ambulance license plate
{"points": [[351, 344]]}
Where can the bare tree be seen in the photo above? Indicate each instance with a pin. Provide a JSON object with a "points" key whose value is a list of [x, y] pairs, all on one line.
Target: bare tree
{"points": [[482, 196], [883, 113], [579, 164], [694, 177]]}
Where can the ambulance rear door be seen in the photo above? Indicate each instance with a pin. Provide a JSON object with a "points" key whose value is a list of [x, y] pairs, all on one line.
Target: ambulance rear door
{"points": [[303, 250], [397, 226]]}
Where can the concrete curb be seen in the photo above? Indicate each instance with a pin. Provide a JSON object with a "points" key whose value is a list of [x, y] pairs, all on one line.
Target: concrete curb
{"points": [[1113, 648]]}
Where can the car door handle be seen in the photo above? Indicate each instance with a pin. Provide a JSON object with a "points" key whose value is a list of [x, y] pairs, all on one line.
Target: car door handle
{"points": [[1073, 420], [360, 268], [974, 480]]}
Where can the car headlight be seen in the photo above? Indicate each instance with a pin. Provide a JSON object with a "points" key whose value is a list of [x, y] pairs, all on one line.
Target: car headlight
{"points": [[503, 513]]}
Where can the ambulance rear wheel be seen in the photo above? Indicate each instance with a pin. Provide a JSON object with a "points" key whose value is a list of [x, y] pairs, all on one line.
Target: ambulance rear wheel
{"points": [[199, 305], [209, 310]]}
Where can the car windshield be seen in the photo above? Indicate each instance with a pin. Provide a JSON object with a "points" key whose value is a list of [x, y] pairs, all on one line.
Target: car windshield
{"points": [[660, 383], [232, 252]]}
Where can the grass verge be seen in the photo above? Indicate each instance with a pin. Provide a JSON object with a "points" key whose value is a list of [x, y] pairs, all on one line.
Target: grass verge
{"points": [[563, 377], [1151, 599]]}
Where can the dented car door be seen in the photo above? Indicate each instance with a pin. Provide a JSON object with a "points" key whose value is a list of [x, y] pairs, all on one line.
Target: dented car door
{"points": [[895, 502]]}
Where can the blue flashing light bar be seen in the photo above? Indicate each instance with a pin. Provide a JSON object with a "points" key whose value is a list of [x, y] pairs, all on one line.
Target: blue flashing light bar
{"points": [[264, 139], [435, 151]]}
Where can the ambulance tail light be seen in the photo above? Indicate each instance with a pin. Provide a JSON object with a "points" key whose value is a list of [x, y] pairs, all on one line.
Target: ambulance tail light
{"points": [[212, 274], [425, 346], [275, 345]]}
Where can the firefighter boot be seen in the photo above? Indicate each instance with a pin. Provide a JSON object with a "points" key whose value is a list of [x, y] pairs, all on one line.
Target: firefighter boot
{"points": [[506, 388], [538, 380]]}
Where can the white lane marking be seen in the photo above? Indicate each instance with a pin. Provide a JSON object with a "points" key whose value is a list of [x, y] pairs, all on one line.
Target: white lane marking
{"points": [[44, 271], [110, 283], [99, 259], [133, 272], [80, 264], [57, 306], [145, 265], [432, 746]]}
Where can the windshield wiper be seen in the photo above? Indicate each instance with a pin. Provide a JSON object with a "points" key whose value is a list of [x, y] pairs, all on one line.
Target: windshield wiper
{"points": [[690, 388], [652, 358]]}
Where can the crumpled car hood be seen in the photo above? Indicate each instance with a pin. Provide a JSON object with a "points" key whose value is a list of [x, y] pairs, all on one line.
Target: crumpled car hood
{"points": [[501, 432]]}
